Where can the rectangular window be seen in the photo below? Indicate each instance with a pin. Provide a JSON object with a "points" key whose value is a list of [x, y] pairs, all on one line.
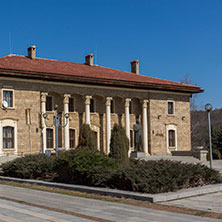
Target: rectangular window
{"points": [[49, 138], [72, 138], [112, 106], [71, 104], [95, 137], [8, 137], [172, 138], [131, 138], [48, 103], [130, 108], [92, 105], [8, 97], [170, 108]]}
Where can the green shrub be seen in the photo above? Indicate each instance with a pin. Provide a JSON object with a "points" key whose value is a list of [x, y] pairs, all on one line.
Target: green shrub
{"points": [[82, 166], [161, 176], [87, 138], [119, 144], [216, 155], [29, 167], [90, 167]]}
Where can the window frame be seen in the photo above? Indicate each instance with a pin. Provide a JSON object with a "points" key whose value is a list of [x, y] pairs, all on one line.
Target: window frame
{"points": [[172, 141], [72, 139], [174, 128], [130, 107], [94, 105], [51, 139], [73, 105], [173, 103], [131, 138], [13, 97], [49, 96], [12, 122], [8, 138]]}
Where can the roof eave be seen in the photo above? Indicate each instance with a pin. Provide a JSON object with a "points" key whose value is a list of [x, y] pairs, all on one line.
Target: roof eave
{"points": [[97, 81]]}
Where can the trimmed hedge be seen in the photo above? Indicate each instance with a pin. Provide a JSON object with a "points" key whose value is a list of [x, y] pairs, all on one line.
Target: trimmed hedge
{"points": [[90, 167], [29, 167]]}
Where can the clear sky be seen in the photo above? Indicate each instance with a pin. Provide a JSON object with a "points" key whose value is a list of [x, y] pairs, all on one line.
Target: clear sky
{"points": [[170, 37]]}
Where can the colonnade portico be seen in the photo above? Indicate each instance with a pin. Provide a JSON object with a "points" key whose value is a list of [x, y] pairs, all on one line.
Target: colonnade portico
{"points": [[108, 120]]}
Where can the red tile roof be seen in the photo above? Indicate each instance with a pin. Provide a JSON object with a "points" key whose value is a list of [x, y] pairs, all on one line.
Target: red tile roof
{"points": [[23, 66]]}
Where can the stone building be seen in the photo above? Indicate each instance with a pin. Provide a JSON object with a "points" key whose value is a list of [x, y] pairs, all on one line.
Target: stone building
{"points": [[88, 93]]}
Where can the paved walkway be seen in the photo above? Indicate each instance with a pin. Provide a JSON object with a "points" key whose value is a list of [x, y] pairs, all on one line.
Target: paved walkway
{"points": [[208, 202], [70, 208]]}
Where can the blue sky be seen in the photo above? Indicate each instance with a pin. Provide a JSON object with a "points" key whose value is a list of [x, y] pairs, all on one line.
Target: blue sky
{"points": [[170, 38]]}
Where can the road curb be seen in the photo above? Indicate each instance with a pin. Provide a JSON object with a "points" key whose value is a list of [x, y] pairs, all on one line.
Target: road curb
{"points": [[154, 198]]}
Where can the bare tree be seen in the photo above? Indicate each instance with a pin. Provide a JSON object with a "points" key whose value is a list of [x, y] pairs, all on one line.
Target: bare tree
{"points": [[187, 80]]}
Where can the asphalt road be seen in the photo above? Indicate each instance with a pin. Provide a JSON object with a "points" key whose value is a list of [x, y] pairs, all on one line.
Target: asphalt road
{"points": [[22, 204]]}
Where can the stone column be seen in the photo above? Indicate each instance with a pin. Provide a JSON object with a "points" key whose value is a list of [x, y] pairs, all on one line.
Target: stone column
{"points": [[66, 128], [145, 127], [43, 110], [108, 123], [127, 120], [87, 109]]}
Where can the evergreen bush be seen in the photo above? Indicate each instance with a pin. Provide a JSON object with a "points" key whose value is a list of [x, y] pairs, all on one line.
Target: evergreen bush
{"points": [[216, 155], [87, 138], [119, 144], [83, 166], [29, 167], [92, 168]]}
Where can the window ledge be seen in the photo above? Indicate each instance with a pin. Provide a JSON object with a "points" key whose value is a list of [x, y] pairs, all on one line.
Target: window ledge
{"points": [[7, 149], [10, 108], [171, 115]]}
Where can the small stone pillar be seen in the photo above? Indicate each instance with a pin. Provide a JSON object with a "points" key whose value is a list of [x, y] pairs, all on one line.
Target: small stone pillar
{"points": [[43, 110], [87, 108], [66, 128], [108, 123]]}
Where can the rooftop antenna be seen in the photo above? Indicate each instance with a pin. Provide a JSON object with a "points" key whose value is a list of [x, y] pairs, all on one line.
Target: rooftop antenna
{"points": [[10, 43]]}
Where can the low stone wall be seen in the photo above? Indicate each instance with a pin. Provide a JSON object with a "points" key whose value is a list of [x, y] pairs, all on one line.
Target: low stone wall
{"points": [[198, 153]]}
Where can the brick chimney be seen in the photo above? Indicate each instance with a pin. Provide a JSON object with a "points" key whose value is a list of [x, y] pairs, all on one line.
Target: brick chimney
{"points": [[32, 52], [135, 66], [89, 59]]}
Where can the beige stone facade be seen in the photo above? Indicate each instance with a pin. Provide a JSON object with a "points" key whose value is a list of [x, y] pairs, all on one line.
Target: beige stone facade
{"points": [[27, 95], [32, 87]]}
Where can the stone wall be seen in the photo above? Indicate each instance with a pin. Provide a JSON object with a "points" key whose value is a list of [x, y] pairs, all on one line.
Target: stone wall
{"points": [[159, 120], [27, 96]]}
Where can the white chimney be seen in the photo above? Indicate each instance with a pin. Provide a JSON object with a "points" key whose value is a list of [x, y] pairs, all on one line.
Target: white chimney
{"points": [[89, 59], [135, 66], [32, 52]]}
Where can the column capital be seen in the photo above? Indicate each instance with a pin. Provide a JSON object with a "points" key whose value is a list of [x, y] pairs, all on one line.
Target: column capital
{"points": [[144, 102], [127, 102], [66, 98], [43, 96], [87, 101], [108, 101]]}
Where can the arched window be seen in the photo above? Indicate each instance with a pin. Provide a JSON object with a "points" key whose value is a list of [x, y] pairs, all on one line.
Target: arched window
{"points": [[8, 137], [172, 138]]}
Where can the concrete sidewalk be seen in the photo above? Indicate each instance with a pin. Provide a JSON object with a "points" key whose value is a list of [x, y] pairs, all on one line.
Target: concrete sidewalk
{"points": [[208, 202], [122, 193], [97, 209]]}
